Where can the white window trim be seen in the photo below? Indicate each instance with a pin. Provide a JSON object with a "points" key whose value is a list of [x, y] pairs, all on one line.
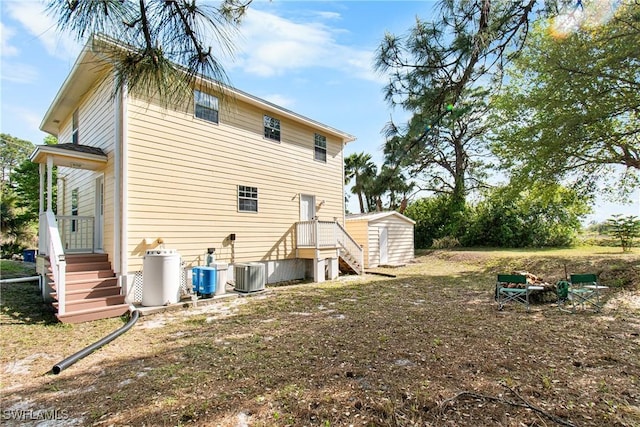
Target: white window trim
{"points": [[195, 104], [315, 135], [264, 127], [248, 198]]}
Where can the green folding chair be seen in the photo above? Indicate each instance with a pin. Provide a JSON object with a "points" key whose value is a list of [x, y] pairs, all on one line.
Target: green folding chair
{"points": [[582, 290], [520, 294]]}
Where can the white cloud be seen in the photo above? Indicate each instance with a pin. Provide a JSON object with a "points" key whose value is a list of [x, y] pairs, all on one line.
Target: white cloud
{"points": [[26, 118], [5, 35], [31, 118], [329, 15], [280, 100], [33, 16], [271, 45], [18, 73]]}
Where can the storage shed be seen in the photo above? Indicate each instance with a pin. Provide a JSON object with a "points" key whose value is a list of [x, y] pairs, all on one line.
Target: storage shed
{"points": [[386, 237]]}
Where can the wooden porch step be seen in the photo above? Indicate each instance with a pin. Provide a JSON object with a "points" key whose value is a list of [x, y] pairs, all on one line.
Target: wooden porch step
{"points": [[84, 304], [86, 293], [91, 283], [75, 276], [90, 314], [85, 258], [91, 289], [349, 265], [88, 266]]}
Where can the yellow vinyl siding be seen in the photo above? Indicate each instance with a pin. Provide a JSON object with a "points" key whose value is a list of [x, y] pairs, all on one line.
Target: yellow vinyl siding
{"points": [[183, 178], [358, 229]]}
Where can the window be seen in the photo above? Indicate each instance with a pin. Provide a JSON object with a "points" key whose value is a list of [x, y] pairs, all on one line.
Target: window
{"points": [[74, 208], [206, 106], [271, 128], [75, 136], [247, 199], [320, 148]]}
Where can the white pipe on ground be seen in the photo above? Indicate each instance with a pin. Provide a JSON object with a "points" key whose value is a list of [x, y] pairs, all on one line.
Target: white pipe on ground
{"points": [[20, 279]]}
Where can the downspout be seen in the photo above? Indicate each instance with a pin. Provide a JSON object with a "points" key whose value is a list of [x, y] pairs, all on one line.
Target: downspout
{"points": [[124, 185], [120, 205], [344, 144], [117, 190]]}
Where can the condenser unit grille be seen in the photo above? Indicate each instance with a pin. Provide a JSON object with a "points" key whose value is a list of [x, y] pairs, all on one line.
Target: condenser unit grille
{"points": [[249, 277]]}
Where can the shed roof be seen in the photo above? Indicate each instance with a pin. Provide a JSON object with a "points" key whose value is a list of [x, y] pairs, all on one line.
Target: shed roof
{"points": [[374, 216]]}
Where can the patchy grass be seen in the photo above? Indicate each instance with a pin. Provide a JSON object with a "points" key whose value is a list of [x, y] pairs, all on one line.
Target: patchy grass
{"points": [[425, 348], [14, 269]]}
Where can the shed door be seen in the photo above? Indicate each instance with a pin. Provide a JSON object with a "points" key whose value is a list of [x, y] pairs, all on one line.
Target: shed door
{"points": [[383, 240], [307, 207]]}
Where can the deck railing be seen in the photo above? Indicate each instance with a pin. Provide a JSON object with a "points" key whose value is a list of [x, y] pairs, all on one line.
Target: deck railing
{"points": [[51, 245], [327, 234], [77, 232], [316, 234]]}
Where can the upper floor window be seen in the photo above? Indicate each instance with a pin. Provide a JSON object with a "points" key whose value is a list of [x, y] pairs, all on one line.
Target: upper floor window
{"points": [[75, 135], [320, 148], [247, 199], [271, 128], [206, 106]]}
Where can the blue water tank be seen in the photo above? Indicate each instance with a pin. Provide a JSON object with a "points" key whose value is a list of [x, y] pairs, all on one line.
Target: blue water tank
{"points": [[203, 280]]}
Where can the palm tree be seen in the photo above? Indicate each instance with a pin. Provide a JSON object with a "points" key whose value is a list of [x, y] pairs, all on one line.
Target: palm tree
{"points": [[360, 168]]}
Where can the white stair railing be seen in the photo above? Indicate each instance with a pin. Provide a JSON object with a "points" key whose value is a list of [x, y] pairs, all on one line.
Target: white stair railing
{"points": [[55, 251], [351, 246], [319, 234]]}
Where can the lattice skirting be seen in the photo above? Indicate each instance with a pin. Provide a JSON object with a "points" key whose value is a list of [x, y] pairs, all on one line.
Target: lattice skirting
{"points": [[185, 288]]}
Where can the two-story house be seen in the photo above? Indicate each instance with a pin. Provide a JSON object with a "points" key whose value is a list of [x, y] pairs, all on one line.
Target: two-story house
{"points": [[230, 171]]}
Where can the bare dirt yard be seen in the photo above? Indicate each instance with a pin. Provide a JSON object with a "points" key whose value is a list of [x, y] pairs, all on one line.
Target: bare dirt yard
{"points": [[425, 348]]}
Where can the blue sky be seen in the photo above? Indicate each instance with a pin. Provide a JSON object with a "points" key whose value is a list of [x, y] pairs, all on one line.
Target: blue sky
{"points": [[313, 57]]}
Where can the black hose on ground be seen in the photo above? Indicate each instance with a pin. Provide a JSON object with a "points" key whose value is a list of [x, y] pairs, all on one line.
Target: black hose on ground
{"points": [[60, 366]]}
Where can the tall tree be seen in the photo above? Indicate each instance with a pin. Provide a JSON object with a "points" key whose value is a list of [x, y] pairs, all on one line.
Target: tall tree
{"points": [[15, 221], [450, 158], [13, 151], [161, 45], [359, 168], [572, 107], [393, 186], [434, 73], [26, 178]]}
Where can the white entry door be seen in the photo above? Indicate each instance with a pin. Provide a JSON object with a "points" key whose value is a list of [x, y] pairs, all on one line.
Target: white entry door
{"points": [[99, 215], [307, 207], [383, 241]]}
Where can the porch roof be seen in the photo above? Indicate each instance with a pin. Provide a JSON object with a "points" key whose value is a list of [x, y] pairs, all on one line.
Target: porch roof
{"points": [[70, 155]]}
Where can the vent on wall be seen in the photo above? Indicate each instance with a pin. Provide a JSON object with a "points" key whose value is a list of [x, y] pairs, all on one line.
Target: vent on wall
{"points": [[249, 277]]}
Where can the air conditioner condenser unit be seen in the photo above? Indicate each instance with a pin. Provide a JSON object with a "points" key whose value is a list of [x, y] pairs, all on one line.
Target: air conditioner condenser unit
{"points": [[249, 277]]}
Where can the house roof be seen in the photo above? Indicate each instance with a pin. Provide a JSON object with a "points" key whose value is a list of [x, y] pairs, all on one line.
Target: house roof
{"points": [[90, 67], [70, 155], [373, 216]]}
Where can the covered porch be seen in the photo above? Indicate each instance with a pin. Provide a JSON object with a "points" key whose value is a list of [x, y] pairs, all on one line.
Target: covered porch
{"points": [[76, 233], [61, 235]]}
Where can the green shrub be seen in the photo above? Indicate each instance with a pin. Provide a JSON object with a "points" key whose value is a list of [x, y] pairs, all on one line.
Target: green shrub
{"points": [[624, 229], [446, 242]]}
